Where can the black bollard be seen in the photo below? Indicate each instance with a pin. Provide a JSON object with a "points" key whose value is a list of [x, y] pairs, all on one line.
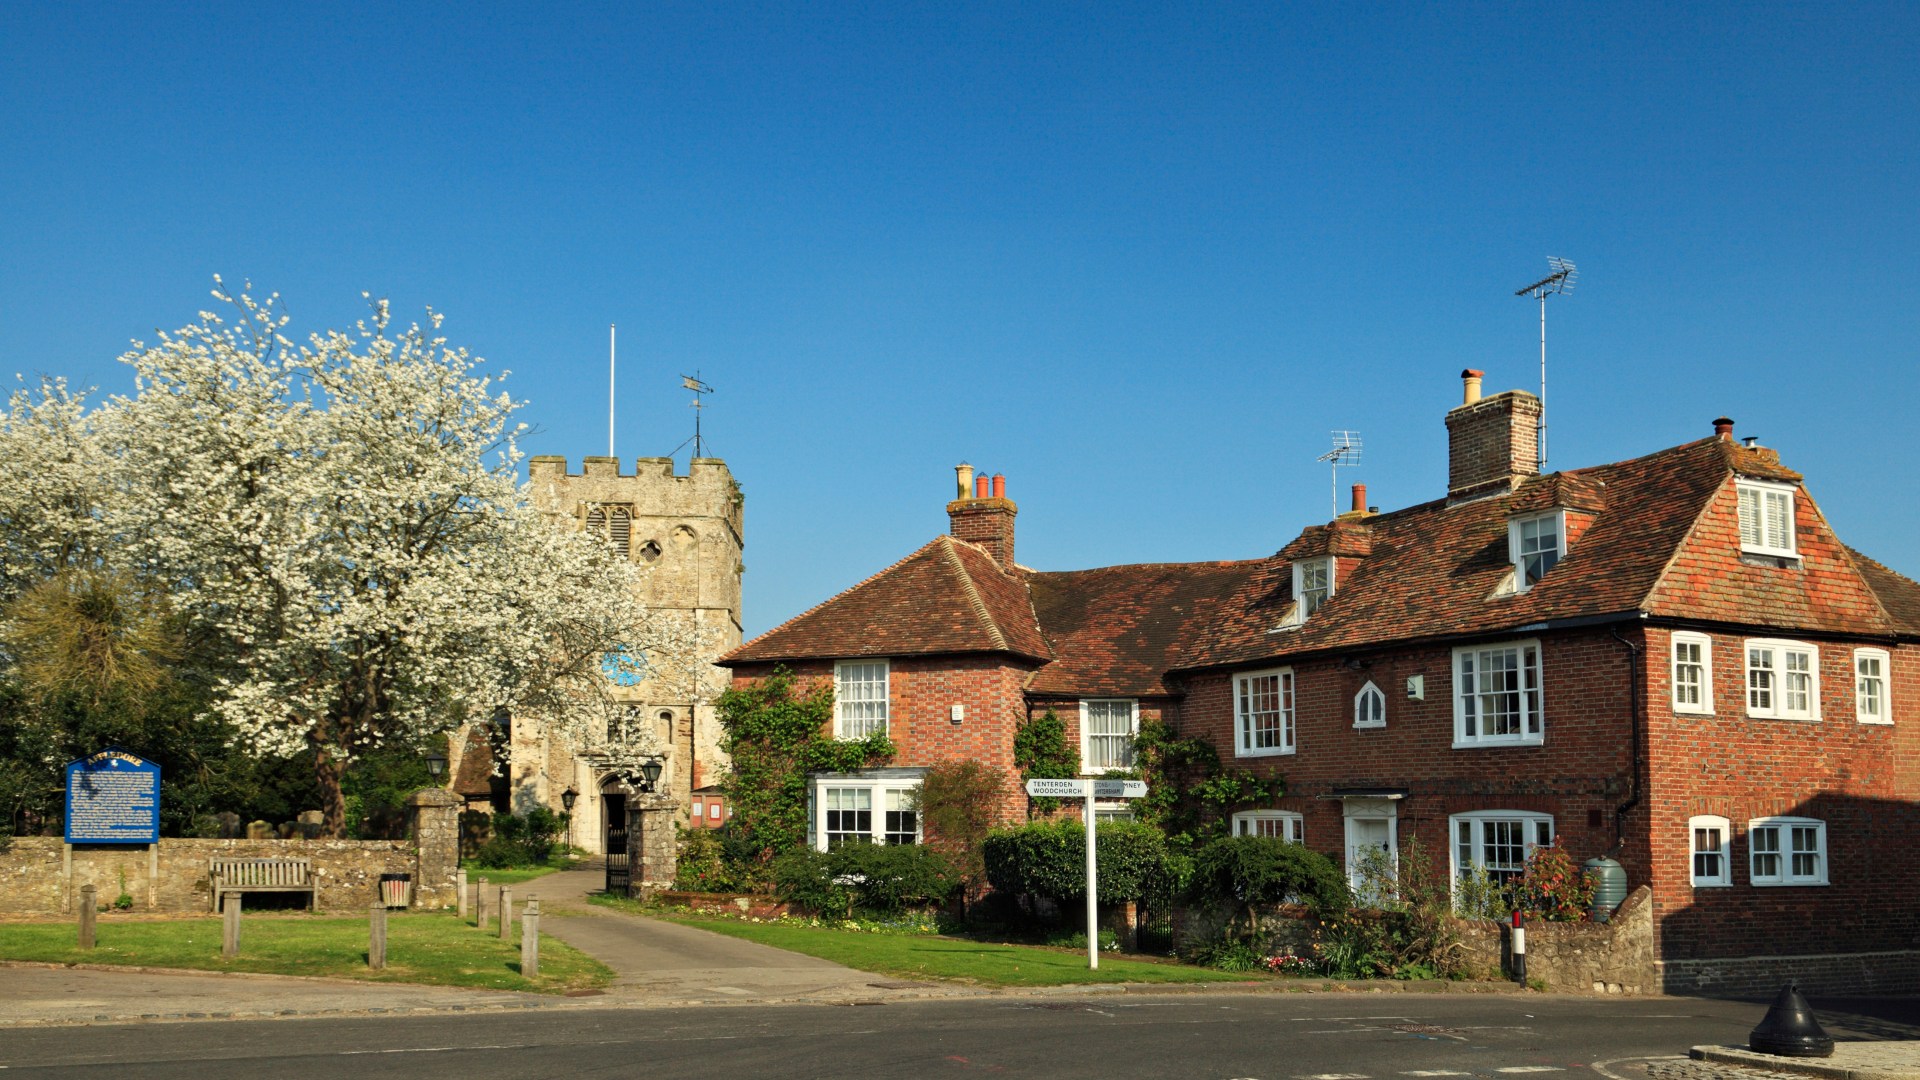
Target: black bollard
{"points": [[1789, 1029]]}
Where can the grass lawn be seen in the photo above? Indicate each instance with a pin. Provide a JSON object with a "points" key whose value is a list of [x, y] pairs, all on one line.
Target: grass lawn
{"points": [[928, 956], [436, 948]]}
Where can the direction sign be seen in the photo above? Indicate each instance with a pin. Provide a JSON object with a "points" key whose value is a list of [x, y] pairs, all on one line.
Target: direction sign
{"points": [[1119, 789], [1080, 789]]}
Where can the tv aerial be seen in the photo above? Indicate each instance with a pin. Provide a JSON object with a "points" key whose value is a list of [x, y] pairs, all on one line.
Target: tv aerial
{"points": [[1346, 451], [1558, 283]]}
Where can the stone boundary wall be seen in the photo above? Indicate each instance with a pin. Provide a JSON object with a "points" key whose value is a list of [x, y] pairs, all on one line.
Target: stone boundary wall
{"points": [[40, 875], [1839, 974], [759, 907], [1614, 957]]}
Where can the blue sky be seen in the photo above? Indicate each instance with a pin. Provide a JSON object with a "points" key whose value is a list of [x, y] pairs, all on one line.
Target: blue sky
{"points": [[1141, 259]]}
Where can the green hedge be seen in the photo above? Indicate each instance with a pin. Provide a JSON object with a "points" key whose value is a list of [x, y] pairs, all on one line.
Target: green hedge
{"points": [[877, 879], [1248, 870], [1050, 859]]}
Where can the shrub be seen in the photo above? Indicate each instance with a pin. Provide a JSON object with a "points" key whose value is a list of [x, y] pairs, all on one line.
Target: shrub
{"points": [[1250, 870], [1552, 887], [875, 879], [699, 865], [1050, 859], [1411, 933], [957, 803], [805, 877], [518, 841]]}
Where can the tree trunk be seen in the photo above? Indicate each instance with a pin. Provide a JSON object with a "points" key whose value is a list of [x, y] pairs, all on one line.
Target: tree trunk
{"points": [[327, 772]]}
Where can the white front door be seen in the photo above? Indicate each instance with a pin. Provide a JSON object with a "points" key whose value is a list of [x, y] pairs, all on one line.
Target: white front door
{"points": [[1370, 828]]}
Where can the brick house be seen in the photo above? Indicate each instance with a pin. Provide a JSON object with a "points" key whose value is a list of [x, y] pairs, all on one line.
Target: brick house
{"points": [[1670, 660]]}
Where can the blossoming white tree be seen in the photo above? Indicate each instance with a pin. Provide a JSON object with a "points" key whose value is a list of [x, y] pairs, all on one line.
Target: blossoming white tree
{"points": [[343, 516]]}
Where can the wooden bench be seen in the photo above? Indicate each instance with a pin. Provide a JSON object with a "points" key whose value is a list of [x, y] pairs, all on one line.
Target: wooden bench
{"points": [[234, 875]]}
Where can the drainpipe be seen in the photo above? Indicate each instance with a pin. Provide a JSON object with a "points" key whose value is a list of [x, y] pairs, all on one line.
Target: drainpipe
{"points": [[1633, 743]]}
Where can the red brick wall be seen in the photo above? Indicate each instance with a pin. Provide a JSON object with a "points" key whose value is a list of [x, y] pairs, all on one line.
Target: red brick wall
{"points": [[1858, 778]]}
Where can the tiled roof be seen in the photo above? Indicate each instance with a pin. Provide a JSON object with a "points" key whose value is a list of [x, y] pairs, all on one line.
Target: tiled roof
{"points": [[950, 596], [1438, 570], [1899, 594], [1118, 629]]}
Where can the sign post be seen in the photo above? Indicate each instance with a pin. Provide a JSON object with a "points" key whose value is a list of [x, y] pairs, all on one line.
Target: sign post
{"points": [[1089, 790]]}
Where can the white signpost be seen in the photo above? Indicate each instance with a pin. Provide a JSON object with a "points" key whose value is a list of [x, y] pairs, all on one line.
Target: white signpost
{"points": [[1089, 790]]}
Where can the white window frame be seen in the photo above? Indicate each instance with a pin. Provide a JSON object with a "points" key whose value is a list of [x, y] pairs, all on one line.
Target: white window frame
{"points": [[1112, 811], [1516, 528], [1087, 735], [878, 792], [1724, 851], [1703, 707], [841, 701], [1532, 695], [1283, 824], [1786, 833], [1763, 505], [1872, 706], [1243, 741], [1767, 685], [1301, 611], [1530, 822], [1373, 693]]}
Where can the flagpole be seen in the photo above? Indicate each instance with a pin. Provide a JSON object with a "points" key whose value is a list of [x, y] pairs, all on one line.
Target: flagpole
{"points": [[610, 390]]}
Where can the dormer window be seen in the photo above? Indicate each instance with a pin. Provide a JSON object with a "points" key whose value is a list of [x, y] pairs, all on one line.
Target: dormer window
{"points": [[1766, 518], [1537, 543], [1312, 586]]}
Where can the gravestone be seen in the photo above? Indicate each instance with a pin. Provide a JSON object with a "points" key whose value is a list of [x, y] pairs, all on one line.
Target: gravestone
{"points": [[311, 822], [229, 824], [285, 830], [259, 830]]}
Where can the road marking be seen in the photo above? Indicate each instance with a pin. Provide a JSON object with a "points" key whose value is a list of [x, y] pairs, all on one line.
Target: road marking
{"points": [[1336, 1076], [1530, 1069], [1434, 1072], [429, 1049]]}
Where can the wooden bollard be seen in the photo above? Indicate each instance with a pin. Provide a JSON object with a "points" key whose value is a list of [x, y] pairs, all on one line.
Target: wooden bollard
{"points": [[230, 927], [377, 935], [506, 913], [460, 890], [87, 912], [480, 903], [530, 939]]}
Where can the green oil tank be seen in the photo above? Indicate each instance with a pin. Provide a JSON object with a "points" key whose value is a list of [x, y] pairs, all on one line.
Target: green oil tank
{"points": [[1609, 885]]}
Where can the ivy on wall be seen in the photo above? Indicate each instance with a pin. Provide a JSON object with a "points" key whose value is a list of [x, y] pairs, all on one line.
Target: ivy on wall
{"points": [[1041, 752], [1191, 796], [776, 734]]}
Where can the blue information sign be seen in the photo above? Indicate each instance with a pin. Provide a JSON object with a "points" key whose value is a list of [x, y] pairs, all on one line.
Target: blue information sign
{"points": [[113, 797]]}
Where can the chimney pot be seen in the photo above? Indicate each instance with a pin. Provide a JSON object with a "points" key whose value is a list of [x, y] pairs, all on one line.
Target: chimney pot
{"points": [[980, 486], [1359, 498], [1723, 427], [1471, 380], [963, 474], [999, 486]]}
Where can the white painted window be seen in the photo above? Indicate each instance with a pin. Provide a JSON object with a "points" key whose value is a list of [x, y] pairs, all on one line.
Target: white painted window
{"points": [[1692, 673], [1112, 812], [1281, 824], [1263, 712], [859, 698], [1370, 707], [1497, 842], [1766, 518], [1312, 585], [1787, 851], [1783, 680], [1870, 668], [1496, 695], [878, 811], [1107, 728], [1711, 837], [1536, 543]]}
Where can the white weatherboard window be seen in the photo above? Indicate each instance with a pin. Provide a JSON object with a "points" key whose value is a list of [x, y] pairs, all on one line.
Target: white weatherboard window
{"points": [[1870, 686], [1312, 585], [1496, 695], [1370, 707], [876, 811], [859, 698], [1766, 518], [1281, 824], [1107, 728], [1692, 673], [1263, 713], [1497, 842], [1783, 680], [1711, 837], [1787, 851], [1537, 543]]}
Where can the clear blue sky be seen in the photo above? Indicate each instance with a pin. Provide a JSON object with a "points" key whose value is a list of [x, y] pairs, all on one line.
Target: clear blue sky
{"points": [[1140, 259]]}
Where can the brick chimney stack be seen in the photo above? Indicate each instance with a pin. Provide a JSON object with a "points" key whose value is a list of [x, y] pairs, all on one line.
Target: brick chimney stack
{"points": [[1492, 442], [985, 515]]}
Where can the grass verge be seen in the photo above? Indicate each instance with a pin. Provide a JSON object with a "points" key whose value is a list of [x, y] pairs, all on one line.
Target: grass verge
{"points": [[511, 877], [931, 956], [432, 948]]}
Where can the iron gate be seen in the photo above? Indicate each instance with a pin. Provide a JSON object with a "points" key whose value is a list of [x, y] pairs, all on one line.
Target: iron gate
{"points": [[619, 876]]}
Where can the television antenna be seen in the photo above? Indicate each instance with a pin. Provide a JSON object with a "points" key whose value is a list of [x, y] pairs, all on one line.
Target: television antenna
{"points": [[692, 382], [1559, 282], [1346, 451]]}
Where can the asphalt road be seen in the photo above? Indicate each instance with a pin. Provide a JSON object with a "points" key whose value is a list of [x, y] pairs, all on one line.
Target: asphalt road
{"points": [[1270, 1036]]}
